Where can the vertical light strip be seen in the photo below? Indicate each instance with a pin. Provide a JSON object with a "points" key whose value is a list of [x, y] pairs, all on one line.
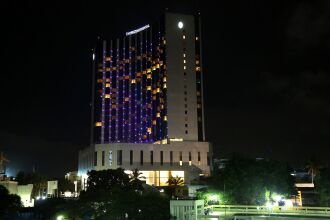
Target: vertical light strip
{"points": [[117, 90], [110, 88], [151, 84], [103, 90], [141, 77], [124, 94], [135, 88], [145, 103], [160, 132], [129, 89], [122, 122]]}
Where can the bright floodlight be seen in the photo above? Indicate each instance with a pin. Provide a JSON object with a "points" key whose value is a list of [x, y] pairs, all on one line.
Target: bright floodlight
{"points": [[180, 24]]}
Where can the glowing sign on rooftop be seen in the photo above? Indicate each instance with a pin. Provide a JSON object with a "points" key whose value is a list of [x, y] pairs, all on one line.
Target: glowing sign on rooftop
{"points": [[137, 30]]}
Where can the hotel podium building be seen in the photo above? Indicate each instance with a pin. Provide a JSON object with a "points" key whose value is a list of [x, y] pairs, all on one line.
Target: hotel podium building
{"points": [[147, 103]]}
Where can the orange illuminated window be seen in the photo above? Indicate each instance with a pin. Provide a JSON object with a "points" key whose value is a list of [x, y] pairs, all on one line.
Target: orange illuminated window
{"points": [[98, 124], [107, 69], [107, 96], [107, 85], [107, 79], [99, 80]]}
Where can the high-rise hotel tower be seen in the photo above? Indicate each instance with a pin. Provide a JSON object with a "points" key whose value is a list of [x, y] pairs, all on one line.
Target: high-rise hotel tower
{"points": [[147, 102]]}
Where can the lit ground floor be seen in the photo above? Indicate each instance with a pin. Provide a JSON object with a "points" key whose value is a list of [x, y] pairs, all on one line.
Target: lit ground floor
{"points": [[157, 162]]}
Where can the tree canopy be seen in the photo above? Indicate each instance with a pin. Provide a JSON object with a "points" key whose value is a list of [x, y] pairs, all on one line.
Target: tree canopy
{"points": [[247, 181], [9, 204]]}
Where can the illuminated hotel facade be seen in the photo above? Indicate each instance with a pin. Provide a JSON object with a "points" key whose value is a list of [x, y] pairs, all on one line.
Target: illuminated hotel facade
{"points": [[147, 103]]}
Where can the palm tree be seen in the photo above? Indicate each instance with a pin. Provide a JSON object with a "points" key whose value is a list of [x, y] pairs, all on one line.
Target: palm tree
{"points": [[175, 181], [313, 168], [136, 179]]}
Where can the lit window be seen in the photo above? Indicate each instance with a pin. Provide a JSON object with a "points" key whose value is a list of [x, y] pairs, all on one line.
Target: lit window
{"points": [[133, 81], [149, 88], [149, 76], [107, 96], [164, 79], [197, 62], [198, 68], [164, 86], [165, 118], [99, 80], [149, 130], [154, 122], [98, 124], [107, 79], [184, 67], [107, 85], [158, 89], [126, 99], [184, 36], [184, 55], [184, 61], [157, 65], [164, 41], [158, 114], [148, 70], [110, 157], [196, 38], [108, 58], [107, 69]]}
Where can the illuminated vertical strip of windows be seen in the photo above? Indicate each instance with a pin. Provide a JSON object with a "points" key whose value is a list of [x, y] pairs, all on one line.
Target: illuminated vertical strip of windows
{"points": [[110, 88], [103, 91], [141, 76], [135, 87], [121, 122], [159, 129], [129, 89], [145, 103], [117, 90], [151, 115]]}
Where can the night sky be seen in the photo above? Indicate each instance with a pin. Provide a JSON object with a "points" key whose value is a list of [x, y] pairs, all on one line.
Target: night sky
{"points": [[266, 76]]}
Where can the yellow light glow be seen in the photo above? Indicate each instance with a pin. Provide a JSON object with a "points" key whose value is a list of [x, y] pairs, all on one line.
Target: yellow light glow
{"points": [[98, 124]]}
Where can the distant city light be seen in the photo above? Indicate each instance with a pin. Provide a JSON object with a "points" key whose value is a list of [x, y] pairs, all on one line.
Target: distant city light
{"points": [[180, 24]]}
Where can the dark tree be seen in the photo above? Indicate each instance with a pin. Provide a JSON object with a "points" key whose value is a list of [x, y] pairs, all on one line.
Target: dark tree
{"points": [[9, 204], [322, 184]]}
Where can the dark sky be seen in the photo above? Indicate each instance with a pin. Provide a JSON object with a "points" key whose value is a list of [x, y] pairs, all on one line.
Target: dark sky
{"points": [[267, 81]]}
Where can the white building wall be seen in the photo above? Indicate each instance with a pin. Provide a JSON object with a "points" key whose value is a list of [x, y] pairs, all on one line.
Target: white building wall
{"points": [[176, 79], [191, 170]]}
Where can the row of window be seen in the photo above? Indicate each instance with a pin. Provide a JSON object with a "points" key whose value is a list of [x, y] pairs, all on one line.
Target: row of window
{"points": [[184, 75], [151, 154]]}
